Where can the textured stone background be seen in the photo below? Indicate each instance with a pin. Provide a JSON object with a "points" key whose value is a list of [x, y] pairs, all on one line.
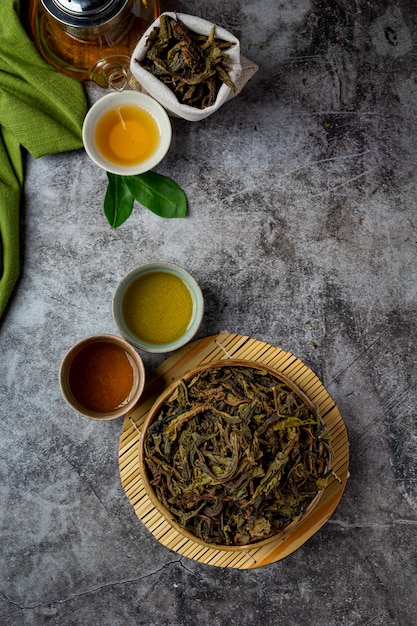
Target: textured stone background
{"points": [[302, 233]]}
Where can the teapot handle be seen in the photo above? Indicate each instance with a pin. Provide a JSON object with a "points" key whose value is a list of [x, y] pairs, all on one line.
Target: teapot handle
{"points": [[111, 72]]}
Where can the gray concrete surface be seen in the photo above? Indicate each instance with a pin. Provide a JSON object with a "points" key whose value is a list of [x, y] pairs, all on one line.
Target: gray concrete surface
{"points": [[302, 232]]}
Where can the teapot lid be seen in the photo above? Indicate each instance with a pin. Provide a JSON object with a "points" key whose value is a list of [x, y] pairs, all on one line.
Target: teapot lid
{"points": [[84, 13]]}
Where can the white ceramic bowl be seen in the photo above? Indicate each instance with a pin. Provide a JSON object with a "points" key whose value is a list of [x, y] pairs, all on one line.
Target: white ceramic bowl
{"points": [[81, 364], [128, 98], [196, 315]]}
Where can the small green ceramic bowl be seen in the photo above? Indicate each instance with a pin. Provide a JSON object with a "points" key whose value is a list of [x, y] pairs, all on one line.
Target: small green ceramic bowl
{"points": [[158, 307]]}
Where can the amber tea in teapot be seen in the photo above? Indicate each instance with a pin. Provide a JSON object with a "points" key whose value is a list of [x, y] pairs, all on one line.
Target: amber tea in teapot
{"points": [[91, 39]]}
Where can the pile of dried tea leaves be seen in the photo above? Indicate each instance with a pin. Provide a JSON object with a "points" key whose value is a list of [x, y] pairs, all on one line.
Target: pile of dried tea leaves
{"points": [[236, 455], [193, 66]]}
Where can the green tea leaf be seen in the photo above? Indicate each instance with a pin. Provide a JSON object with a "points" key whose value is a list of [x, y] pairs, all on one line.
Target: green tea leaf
{"points": [[158, 193], [228, 476], [118, 201]]}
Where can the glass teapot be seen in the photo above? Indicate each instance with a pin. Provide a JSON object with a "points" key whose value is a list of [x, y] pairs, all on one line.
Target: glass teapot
{"points": [[91, 39]]}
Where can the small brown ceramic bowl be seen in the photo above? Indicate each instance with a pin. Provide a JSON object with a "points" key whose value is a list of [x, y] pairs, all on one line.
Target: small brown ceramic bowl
{"points": [[102, 377]]}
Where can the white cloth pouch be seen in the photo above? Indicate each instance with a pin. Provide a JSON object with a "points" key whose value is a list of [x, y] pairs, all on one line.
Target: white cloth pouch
{"points": [[165, 96]]}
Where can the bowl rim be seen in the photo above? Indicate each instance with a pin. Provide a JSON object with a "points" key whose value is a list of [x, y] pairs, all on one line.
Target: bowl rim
{"points": [[164, 511], [139, 99], [193, 288], [137, 366]]}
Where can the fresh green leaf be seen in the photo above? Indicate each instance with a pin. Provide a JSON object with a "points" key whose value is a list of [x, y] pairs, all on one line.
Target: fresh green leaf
{"points": [[158, 193], [118, 201]]}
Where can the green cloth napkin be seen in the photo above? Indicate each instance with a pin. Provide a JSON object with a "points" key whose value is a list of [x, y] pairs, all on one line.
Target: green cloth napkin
{"points": [[42, 111]]}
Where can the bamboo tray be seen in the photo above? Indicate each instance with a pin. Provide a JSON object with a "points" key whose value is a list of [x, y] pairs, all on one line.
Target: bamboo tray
{"points": [[216, 348]]}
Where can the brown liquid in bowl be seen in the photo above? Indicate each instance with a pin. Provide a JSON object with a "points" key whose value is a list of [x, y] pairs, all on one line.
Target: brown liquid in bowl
{"points": [[101, 377]]}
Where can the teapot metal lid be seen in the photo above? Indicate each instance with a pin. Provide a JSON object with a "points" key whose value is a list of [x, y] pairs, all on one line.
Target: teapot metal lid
{"points": [[84, 13]]}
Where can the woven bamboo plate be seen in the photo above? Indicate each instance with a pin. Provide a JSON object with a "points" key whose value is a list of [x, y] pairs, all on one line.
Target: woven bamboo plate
{"points": [[216, 348]]}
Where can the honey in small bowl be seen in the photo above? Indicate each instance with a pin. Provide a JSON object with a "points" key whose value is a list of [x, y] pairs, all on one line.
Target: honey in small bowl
{"points": [[102, 377]]}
